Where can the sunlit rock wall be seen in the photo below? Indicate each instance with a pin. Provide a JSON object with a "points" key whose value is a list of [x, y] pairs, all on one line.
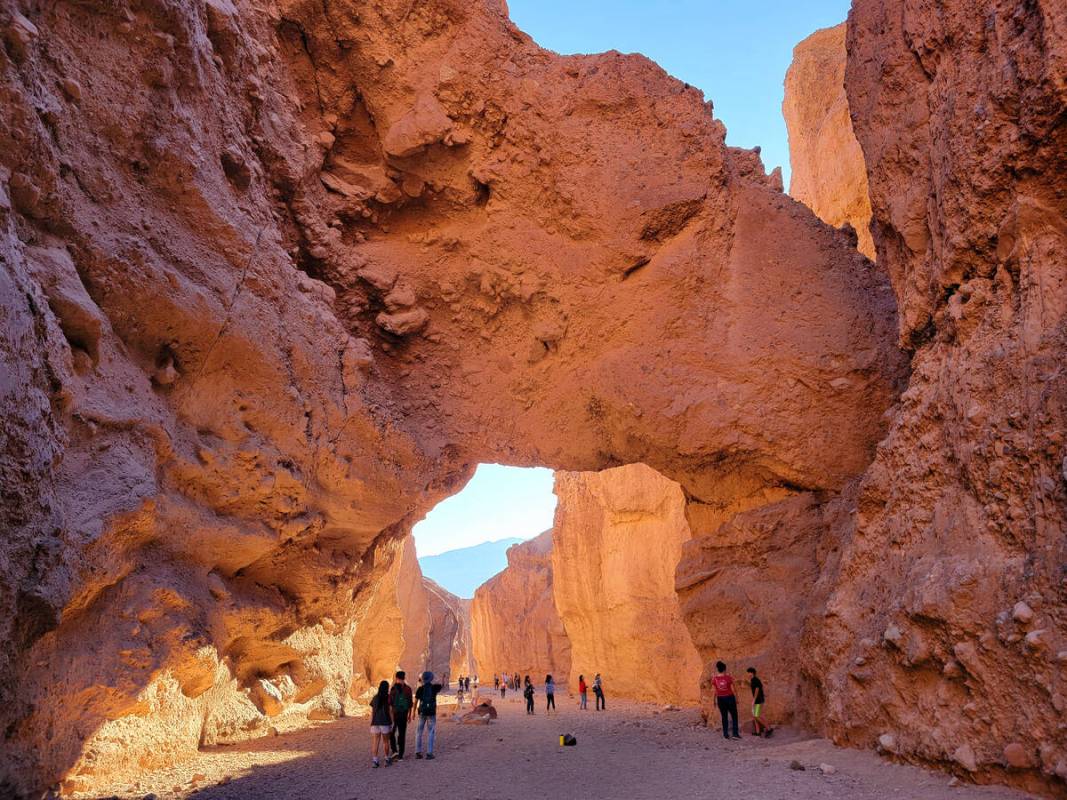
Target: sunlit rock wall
{"points": [[616, 540]]}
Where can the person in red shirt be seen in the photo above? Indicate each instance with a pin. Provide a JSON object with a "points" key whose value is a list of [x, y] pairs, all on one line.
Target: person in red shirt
{"points": [[583, 694], [726, 700]]}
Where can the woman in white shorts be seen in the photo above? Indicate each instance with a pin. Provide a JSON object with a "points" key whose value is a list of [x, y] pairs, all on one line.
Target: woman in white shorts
{"points": [[381, 723]]}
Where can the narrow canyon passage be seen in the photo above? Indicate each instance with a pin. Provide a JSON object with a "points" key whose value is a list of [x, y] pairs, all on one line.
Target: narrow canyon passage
{"points": [[276, 276], [633, 750]]}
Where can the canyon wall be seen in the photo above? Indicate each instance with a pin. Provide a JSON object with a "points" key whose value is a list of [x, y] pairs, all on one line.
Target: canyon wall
{"points": [[942, 638], [448, 633], [828, 172], [275, 277], [514, 623], [617, 537]]}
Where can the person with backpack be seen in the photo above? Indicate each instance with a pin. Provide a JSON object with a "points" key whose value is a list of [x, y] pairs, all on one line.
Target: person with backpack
{"points": [[550, 694], [583, 694], [426, 700], [598, 690], [403, 706], [726, 700], [528, 693], [381, 724], [759, 727]]}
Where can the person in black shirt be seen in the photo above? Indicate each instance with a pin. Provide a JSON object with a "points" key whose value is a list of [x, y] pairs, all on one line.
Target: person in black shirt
{"points": [[758, 699]]}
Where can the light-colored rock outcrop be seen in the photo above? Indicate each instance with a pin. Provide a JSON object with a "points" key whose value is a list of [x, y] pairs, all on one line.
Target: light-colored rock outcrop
{"points": [[264, 306], [448, 634], [514, 623], [829, 174], [461, 661], [616, 540]]}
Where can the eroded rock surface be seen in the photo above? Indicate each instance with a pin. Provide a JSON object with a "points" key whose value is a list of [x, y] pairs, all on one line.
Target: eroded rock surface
{"points": [[829, 174], [616, 540], [514, 623], [276, 278], [949, 586]]}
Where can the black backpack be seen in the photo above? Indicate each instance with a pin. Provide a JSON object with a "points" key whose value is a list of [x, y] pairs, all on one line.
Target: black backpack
{"points": [[427, 701]]}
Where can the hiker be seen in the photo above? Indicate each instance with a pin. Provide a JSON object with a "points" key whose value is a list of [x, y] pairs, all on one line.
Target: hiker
{"points": [[759, 728], [381, 724], [726, 699], [459, 693], [598, 690], [496, 681], [503, 688], [583, 694], [528, 693], [550, 694], [467, 684], [426, 700], [518, 683], [403, 707]]}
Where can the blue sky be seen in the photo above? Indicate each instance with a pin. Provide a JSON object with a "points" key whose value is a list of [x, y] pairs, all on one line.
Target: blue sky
{"points": [[497, 503], [735, 51]]}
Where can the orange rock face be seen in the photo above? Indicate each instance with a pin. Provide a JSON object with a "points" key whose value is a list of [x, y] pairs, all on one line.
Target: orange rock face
{"points": [[275, 279], [829, 174], [616, 539], [949, 589], [514, 623]]}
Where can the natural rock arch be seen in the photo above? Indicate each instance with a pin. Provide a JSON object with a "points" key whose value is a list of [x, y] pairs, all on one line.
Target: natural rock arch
{"points": [[273, 284]]}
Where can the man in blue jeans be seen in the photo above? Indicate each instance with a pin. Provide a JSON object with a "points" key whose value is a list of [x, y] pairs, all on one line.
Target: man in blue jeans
{"points": [[426, 701]]}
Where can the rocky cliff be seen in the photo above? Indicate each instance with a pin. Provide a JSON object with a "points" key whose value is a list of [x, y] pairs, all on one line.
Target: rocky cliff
{"points": [[949, 590], [616, 540], [829, 174], [275, 277], [514, 623], [448, 633]]}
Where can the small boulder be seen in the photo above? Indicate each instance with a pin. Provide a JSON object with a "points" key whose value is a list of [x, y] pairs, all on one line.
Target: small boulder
{"points": [[1022, 613], [1015, 756], [887, 742], [20, 35], [403, 323], [964, 756], [796, 765]]}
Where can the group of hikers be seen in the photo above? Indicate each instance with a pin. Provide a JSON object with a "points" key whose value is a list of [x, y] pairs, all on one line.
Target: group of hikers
{"points": [[393, 707], [503, 682], [726, 700]]}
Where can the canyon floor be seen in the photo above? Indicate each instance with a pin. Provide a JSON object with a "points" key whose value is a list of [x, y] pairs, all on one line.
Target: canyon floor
{"points": [[633, 751]]}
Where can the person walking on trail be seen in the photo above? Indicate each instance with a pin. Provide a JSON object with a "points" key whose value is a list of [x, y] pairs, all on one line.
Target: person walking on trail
{"points": [[528, 693], [598, 690], [403, 706], [759, 727], [503, 688], [726, 699], [459, 694], [583, 694], [550, 694], [496, 681], [381, 724], [426, 700]]}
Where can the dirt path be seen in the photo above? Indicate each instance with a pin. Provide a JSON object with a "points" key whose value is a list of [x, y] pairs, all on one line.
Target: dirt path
{"points": [[631, 751]]}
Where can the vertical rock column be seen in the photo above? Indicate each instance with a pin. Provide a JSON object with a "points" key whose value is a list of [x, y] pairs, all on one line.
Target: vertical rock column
{"points": [[618, 536], [828, 172], [514, 623]]}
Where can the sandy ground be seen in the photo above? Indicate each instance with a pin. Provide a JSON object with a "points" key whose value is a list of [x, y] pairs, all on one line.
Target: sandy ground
{"points": [[630, 751]]}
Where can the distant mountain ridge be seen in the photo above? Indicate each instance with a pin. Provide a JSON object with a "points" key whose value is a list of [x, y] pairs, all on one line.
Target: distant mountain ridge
{"points": [[463, 570]]}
